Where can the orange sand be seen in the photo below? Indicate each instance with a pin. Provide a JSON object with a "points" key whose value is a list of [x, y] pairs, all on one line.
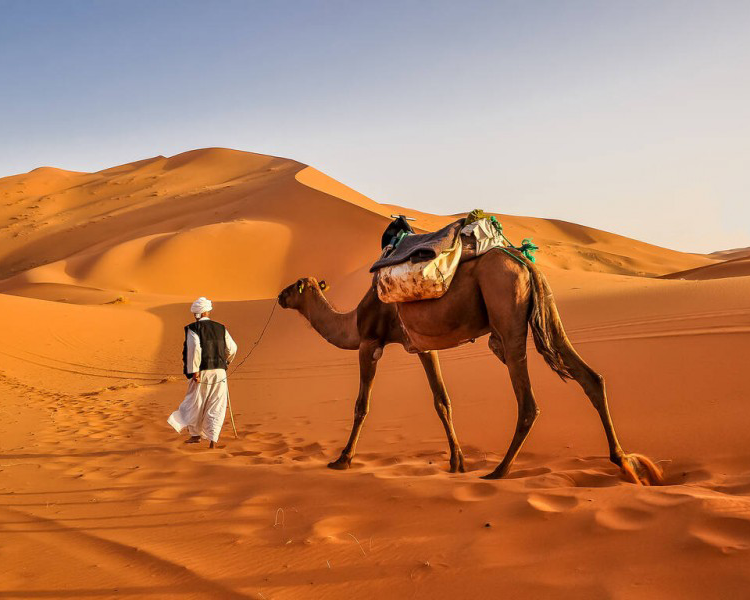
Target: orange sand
{"points": [[99, 498]]}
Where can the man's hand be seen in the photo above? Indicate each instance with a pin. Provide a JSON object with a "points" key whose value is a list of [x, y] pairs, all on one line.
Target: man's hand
{"points": [[196, 376]]}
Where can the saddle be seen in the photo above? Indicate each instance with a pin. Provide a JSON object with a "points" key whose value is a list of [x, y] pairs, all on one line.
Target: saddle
{"points": [[421, 266]]}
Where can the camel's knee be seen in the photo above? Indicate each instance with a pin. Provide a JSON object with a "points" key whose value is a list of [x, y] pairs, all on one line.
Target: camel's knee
{"points": [[528, 417], [587, 375], [593, 384], [361, 408], [497, 348], [442, 406], [442, 411]]}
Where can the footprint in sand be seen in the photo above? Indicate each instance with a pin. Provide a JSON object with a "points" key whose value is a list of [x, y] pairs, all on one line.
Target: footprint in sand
{"points": [[340, 529], [680, 477], [726, 534], [474, 492], [275, 448], [655, 497], [261, 460], [406, 470], [737, 486], [595, 477], [524, 473], [165, 495], [309, 451], [551, 503], [623, 518], [388, 461]]}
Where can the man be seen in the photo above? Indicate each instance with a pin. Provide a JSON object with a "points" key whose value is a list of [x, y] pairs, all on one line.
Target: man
{"points": [[206, 353]]}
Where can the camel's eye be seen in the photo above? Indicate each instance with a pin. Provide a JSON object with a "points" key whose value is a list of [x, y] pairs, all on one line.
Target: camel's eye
{"points": [[301, 287], [324, 286]]}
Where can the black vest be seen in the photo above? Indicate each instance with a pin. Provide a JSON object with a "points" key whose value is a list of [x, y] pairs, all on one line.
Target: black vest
{"points": [[213, 345]]}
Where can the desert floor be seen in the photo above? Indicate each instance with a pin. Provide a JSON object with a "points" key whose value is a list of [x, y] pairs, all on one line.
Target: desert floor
{"points": [[99, 497]]}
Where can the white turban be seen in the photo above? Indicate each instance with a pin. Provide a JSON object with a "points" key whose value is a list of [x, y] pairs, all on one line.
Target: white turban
{"points": [[201, 305]]}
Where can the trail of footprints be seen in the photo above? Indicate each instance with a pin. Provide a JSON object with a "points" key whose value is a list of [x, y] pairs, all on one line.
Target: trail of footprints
{"points": [[109, 417]]}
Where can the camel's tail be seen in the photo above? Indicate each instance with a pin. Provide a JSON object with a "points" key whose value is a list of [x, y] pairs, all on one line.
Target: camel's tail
{"points": [[546, 326]]}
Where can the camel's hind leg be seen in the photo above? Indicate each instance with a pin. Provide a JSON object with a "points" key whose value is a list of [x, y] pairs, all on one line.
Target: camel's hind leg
{"points": [[431, 366], [505, 291], [369, 354], [514, 355], [636, 467]]}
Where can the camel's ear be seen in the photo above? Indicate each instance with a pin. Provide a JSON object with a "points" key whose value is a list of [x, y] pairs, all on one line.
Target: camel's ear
{"points": [[301, 287], [324, 286]]}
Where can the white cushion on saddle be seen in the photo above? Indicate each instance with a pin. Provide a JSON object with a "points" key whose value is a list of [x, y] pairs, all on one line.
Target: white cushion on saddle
{"points": [[486, 234]]}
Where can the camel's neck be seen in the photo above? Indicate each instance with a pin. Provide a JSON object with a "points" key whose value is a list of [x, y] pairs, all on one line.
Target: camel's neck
{"points": [[339, 329]]}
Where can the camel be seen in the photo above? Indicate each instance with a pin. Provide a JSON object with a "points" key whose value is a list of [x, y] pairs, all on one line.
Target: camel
{"points": [[500, 293]]}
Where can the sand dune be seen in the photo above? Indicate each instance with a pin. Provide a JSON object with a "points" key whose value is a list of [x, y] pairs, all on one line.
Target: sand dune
{"points": [[70, 228], [100, 499], [733, 267], [730, 254]]}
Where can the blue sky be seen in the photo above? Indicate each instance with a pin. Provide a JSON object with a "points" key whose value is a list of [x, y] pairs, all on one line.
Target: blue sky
{"points": [[633, 117]]}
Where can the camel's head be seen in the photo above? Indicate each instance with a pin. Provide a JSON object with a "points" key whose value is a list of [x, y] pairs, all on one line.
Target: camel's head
{"points": [[293, 296]]}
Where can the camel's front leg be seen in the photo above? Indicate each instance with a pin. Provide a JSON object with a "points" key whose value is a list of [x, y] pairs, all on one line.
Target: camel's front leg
{"points": [[370, 352], [431, 366], [515, 357]]}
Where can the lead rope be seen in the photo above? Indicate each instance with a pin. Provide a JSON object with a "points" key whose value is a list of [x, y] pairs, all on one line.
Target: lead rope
{"points": [[254, 346], [260, 337]]}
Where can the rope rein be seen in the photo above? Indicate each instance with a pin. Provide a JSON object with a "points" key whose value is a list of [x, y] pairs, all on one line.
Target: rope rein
{"points": [[252, 349]]}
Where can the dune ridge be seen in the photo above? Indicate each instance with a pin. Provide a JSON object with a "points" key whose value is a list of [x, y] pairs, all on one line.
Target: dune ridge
{"points": [[60, 225], [99, 498]]}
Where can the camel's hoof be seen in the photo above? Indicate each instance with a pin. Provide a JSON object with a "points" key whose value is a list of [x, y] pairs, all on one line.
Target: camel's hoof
{"points": [[459, 469], [458, 466], [493, 475], [339, 465], [641, 470]]}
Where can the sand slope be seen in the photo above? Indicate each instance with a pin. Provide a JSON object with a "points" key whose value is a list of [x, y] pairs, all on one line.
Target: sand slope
{"points": [[100, 499], [149, 226]]}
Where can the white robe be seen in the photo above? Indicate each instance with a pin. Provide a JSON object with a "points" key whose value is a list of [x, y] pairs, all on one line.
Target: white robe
{"points": [[205, 404]]}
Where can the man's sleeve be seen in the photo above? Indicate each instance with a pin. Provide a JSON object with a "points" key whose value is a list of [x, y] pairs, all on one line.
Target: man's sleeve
{"points": [[193, 358], [231, 346]]}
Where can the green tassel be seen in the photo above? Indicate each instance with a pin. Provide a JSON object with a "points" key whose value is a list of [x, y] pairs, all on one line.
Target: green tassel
{"points": [[528, 249]]}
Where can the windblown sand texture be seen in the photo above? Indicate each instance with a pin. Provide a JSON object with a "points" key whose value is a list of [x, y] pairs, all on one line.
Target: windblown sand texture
{"points": [[99, 498]]}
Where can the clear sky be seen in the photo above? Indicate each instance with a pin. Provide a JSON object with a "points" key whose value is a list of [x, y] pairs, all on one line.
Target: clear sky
{"points": [[630, 116]]}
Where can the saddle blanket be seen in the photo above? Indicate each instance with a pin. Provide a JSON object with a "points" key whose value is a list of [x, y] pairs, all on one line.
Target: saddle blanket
{"points": [[420, 247]]}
